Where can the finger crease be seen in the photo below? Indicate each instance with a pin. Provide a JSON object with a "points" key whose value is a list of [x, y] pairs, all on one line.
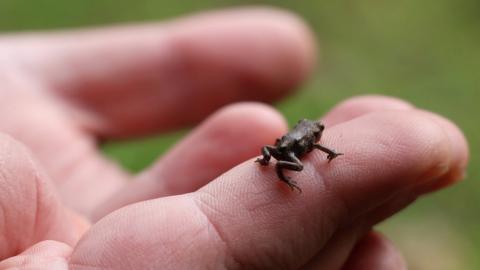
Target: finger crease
{"points": [[217, 232]]}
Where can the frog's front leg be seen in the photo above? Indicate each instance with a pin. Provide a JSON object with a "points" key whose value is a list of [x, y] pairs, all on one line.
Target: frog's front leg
{"points": [[267, 152], [331, 153], [295, 165]]}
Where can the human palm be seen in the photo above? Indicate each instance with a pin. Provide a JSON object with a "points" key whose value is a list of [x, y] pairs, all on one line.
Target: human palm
{"points": [[205, 204]]}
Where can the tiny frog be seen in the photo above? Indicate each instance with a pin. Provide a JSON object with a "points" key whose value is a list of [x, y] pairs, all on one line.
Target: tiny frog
{"points": [[288, 149]]}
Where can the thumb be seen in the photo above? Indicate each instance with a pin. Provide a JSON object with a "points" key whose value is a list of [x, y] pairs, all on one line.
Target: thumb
{"points": [[247, 219]]}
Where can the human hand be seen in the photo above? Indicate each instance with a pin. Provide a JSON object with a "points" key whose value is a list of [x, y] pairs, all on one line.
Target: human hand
{"points": [[244, 218], [62, 92]]}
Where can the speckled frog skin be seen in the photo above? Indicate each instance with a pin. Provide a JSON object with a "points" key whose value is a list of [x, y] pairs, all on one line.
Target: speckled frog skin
{"points": [[288, 149]]}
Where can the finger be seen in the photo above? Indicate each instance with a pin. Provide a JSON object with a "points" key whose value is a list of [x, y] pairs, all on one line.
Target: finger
{"points": [[228, 137], [337, 250], [360, 105], [139, 79], [384, 153], [247, 218], [29, 207], [457, 141], [47, 254], [375, 252]]}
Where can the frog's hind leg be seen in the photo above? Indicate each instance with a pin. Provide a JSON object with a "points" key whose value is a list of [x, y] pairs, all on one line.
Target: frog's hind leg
{"points": [[295, 165], [267, 152]]}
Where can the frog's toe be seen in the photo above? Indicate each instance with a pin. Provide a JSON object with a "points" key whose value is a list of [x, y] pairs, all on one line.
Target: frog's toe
{"points": [[331, 156], [293, 185], [292, 182], [262, 161]]}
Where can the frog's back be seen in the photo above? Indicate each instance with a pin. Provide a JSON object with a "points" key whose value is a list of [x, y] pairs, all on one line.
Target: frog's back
{"points": [[298, 134], [304, 128], [285, 142]]}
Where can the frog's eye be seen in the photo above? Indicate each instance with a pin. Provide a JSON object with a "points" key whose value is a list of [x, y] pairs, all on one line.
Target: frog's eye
{"points": [[318, 133]]}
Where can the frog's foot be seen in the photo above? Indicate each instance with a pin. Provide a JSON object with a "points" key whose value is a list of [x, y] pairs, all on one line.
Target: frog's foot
{"points": [[333, 155], [262, 161], [292, 184]]}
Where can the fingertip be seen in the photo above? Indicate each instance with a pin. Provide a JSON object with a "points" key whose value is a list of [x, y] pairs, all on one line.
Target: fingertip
{"points": [[386, 152], [434, 146], [300, 43], [388, 137], [442, 132], [458, 148], [269, 48], [249, 116]]}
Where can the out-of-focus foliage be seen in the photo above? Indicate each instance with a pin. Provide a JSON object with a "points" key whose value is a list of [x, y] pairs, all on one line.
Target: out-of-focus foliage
{"points": [[427, 52]]}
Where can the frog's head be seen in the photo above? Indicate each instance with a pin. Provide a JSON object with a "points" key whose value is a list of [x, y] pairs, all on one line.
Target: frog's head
{"points": [[317, 132]]}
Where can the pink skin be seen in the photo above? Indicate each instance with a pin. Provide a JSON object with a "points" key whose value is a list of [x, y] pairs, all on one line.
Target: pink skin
{"points": [[373, 251], [60, 92]]}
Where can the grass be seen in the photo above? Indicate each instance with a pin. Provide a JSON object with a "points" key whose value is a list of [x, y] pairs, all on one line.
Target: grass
{"points": [[426, 52]]}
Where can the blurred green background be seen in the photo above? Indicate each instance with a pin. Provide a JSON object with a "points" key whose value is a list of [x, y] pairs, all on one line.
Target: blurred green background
{"points": [[427, 52]]}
